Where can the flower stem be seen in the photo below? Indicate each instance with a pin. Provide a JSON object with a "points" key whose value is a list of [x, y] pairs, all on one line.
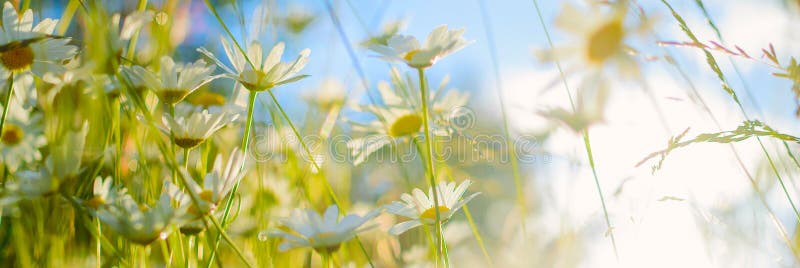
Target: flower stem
{"points": [[99, 247], [186, 158], [229, 240], [9, 93], [164, 254], [172, 138], [245, 141], [431, 169], [326, 260], [586, 142], [512, 153], [305, 147]]}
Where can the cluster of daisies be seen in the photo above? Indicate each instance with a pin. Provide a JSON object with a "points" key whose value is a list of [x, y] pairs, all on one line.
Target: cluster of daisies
{"points": [[51, 97]]}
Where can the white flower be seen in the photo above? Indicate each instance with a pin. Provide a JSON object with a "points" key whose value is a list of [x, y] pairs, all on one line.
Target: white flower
{"points": [[173, 82], [189, 131], [132, 23], [20, 138], [63, 163], [439, 43], [140, 224], [104, 192], [305, 228], [217, 184], [420, 208], [599, 40], [23, 46], [265, 72], [399, 119]]}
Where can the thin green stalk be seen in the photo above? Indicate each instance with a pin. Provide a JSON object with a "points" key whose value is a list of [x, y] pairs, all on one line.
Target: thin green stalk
{"points": [[326, 259], [9, 94], [164, 254], [791, 155], [305, 148], [349, 48], [228, 31], [585, 134], [316, 165], [245, 141], [512, 154], [712, 63], [135, 37], [172, 141], [694, 91], [735, 66], [186, 158], [229, 240], [431, 169], [66, 17], [99, 247]]}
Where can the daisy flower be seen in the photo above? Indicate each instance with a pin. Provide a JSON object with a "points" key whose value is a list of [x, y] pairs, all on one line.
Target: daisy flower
{"points": [[141, 224], [63, 163], [216, 184], [20, 138], [192, 130], [265, 72], [439, 43], [103, 193], [599, 40], [175, 81], [399, 120], [419, 207], [305, 228], [389, 29], [24, 47]]}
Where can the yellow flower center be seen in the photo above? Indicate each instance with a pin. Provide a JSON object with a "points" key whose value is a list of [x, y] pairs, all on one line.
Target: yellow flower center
{"points": [[207, 99], [410, 55], [95, 202], [206, 195], [605, 41], [12, 135], [255, 80], [324, 235], [431, 212], [17, 58], [172, 95], [405, 125]]}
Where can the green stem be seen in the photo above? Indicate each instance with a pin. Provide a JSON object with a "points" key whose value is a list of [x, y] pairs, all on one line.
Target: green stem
{"points": [[172, 139], [714, 66], [228, 31], [305, 147], [229, 240], [245, 142], [9, 94], [316, 166], [132, 42], [512, 153], [326, 259], [586, 141], [431, 169], [99, 247], [186, 158], [164, 254]]}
